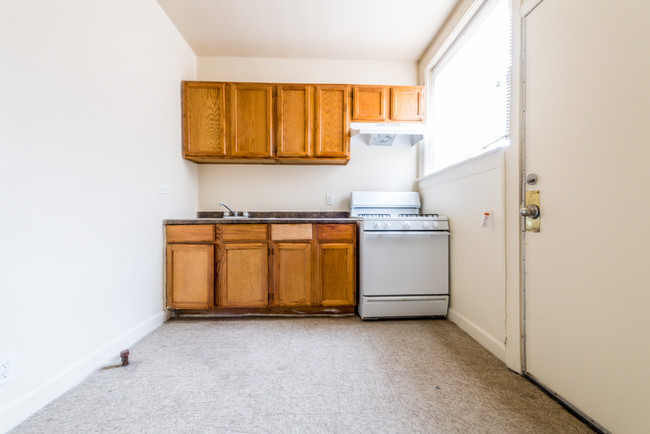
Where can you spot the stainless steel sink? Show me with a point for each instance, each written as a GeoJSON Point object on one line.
{"type": "Point", "coordinates": [237, 215]}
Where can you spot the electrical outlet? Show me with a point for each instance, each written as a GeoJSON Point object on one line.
{"type": "Point", "coordinates": [6, 369]}
{"type": "Point", "coordinates": [329, 199]}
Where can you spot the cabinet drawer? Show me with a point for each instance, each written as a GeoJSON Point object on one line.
{"type": "Point", "coordinates": [243, 232]}
{"type": "Point", "coordinates": [337, 232]}
{"type": "Point", "coordinates": [189, 233]}
{"type": "Point", "coordinates": [291, 232]}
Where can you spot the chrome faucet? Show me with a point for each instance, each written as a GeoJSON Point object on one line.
{"type": "Point", "coordinates": [228, 208]}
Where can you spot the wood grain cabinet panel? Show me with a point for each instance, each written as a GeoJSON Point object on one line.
{"type": "Point", "coordinates": [189, 233]}
{"type": "Point", "coordinates": [292, 274]}
{"type": "Point", "coordinates": [336, 232]}
{"type": "Point", "coordinates": [243, 275]}
{"type": "Point", "coordinates": [204, 119]}
{"type": "Point", "coordinates": [406, 103]}
{"type": "Point", "coordinates": [291, 232]}
{"type": "Point", "coordinates": [370, 103]}
{"type": "Point", "coordinates": [251, 120]}
{"type": "Point", "coordinates": [337, 264]}
{"type": "Point", "coordinates": [295, 118]}
{"type": "Point", "coordinates": [190, 278]}
{"type": "Point", "coordinates": [332, 121]}
{"type": "Point", "coordinates": [239, 232]}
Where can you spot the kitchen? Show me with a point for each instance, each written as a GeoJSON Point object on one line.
{"type": "Point", "coordinates": [91, 165]}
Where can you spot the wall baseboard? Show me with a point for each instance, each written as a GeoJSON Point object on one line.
{"type": "Point", "coordinates": [32, 401]}
{"type": "Point", "coordinates": [480, 335]}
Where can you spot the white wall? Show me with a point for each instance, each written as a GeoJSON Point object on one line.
{"type": "Point", "coordinates": [89, 130]}
{"type": "Point", "coordinates": [285, 188]}
{"type": "Point", "coordinates": [477, 253]}
{"type": "Point", "coordinates": [485, 296]}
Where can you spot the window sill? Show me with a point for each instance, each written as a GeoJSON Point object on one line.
{"type": "Point", "coordinates": [488, 160]}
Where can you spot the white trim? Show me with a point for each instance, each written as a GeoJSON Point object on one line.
{"type": "Point", "coordinates": [528, 6]}
{"type": "Point", "coordinates": [438, 48]}
{"type": "Point", "coordinates": [489, 160]}
{"type": "Point", "coordinates": [32, 401]}
{"type": "Point", "coordinates": [441, 50]}
{"type": "Point", "coordinates": [480, 335]}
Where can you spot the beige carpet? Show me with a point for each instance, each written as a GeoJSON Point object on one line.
{"type": "Point", "coordinates": [301, 375]}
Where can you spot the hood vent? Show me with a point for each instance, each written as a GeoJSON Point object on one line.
{"type": "Point", "coordinates": [384, 134]}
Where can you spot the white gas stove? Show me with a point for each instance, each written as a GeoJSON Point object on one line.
{"type": "Point", "coordinates": [403, 256]}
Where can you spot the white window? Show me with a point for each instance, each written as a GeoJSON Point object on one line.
{"type": "Point", "coordinates": [469, 90]}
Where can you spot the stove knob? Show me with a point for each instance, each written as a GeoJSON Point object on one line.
{"type": "Point", "coordinates": [377, 225]}
{"type": "Point", "coordinates": [425, 224]}
{"type": "Point", "coordinates": [435, 224]}
{"type": "Point", "coordinates": [387, 225]}
{"type": "Point", "coordinates": [406, 225]}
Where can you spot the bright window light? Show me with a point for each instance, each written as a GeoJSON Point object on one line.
{"type": "Point", "coordinates": [470, 90]}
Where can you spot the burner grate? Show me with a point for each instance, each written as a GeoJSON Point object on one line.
{"type": "Point", "coordinates": [375, 215]}
{"type": "Point", "coordinates": [418, 215]}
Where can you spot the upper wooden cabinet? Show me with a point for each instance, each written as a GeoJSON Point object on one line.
{"type": "Point", "coordinates": [406, 103]}
{"type": "Point", "coordinates": [332, 121]}
{"type": "Point", "coordinates": [295, 121]}
{"type": "Point", "coordinates": [266, 123]}
{"type": "Point", "coordinates": [313, 124]}
{"type": "Point", "coordinates": [385, 104]}
{"type": "Point", "coordinates": [370, 103]}
{"type": "Point", "coordinates": [251, 120]}
{"type": "Point", "coordinates": [204, 120]}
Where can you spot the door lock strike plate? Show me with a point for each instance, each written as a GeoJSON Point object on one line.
{"type": "Point", "coordinates": [532, 224]}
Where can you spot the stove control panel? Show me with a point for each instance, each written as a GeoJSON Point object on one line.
{"type": "Point", "coordinates": [406, 224]}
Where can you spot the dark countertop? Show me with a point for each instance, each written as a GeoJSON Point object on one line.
{"type": "Point", "coordinates": [264, 217]}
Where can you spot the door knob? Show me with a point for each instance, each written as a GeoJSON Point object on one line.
{"type": "Point", "coordinates": [530, 211]}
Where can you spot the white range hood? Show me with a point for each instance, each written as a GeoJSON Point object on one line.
{"type": "Point", "coordinates": [383, 134]}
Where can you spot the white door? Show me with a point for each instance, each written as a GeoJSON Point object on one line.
{"type": "Point", "coordinates": [587, 272]}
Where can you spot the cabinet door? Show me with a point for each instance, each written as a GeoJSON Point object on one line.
{"type": "Point", "coordinates": [295, 120]}
{"type": "Point", "coordinates": [292, 274]}
{"type": "Point", "coordinates": [204, 119]}
{"type": "Point", "coordinates": [332, 121]}
{"type": "Point", "coordinates": [337, 274]}
{"type": "Point", "coordinates": [369, 103]}
{"type": "Point", "coordinates": [190, 278]}
{"type": "Point", "coordinates": [243, 275]}
{"type": "Point", "coordinates": [406, 103]}
{"type": "Point", "coordinates": [251, 120]}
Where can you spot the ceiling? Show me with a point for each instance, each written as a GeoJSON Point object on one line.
{"type": "Point", "coordinates": [318, 29]}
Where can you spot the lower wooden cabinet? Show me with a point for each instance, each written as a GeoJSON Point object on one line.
{"type": "Point", "coordinates": [243, 275]}
{"type": "Point", "coordinates": [190, 267]}
{"type": "Point", "coordinates": [292, 274]}
{"type": "Point", "coordinates": [272, 268]}
{"type": "Point", "coordinates": [336, 262]}
{"type": "Point", "coordinates": [190, 271]}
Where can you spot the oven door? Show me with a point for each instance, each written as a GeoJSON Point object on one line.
{"type": "Point", "coordinates": [404, 263]}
